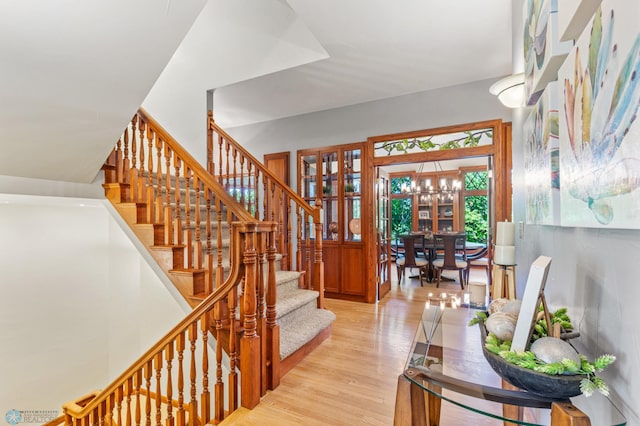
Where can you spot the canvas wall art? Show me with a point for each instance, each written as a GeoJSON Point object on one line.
{"type": "Point", "coordinates": [599, 132]}
{"type": "Point", "coordinates": [573, 16]}
{"type": "Point", "coordinates": [541, 145]}
{"type": "Point", "coordinates": [543, 50]}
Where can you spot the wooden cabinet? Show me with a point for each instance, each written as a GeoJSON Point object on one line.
{"type": "Point", "coordinates": [332, 177]}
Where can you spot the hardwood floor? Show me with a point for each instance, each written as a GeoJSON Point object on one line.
{"type": "Point", "coordinates": [351, 378]}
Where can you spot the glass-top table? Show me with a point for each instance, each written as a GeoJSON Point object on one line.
{"type": "Point", "coordinates": [447, 362]}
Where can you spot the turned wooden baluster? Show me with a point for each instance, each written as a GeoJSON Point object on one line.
{"type": "Point", "coordinates": [211, 167]}
{"type": "Point", "coordinates": [187, 209]}
{"type": "Point", "coordinates": [148, 372]}
{"type": "Point", "coordinates": [177, 222]}
{"type": "Point", "coordinates": [227, 175]}
{"type": "Point", "coordinates": [169, 359]}
{"type": "Point", "coordinates": [125, 157]}
{"type": "Point", "coordinates": [198, 245]}
{"type": "Point", "coordinates": [129, 389]}
{"type": "Point", "coordinates": [118, 404]}
{"type": "Point", "coordinates": [102, 413]}
{"type": "Point", "coordinates": [193, 406]}
{"type": "Point", "coordinates": [158, 367]}
{"type": "Point", "coordinates": [218, 414]}
{"type": "Point", "coordinates": [243, 186]}
{"type": "Point", "coordinates": [273, 332]}
{"type": "Point", "coordinates": [119, 161]}
{"type": "Point", "coordinates": [209, 249]}
{"type": "Point", "coordinates": [159, 208]}
{"type": "Point", "coordinates": [205, 398]}
{"type": "Point", "coordinates": [180, 345]}
{"type": "Point", "coordinates": [287, 262]}
{"type": "Point", "coordinates": [261, 325]}
{"type": "Point", "coordinates": [138, 377]}
{"type": "Point", "coordinates": [150, 195]}
{"type": "Point", "coordinates": [232, 303]}
{"type": "Point", "coordinates": [219, 267]}
{"type": "Point", "coordinates": [133, 171]}
{"type": "Point", "coordinates": [300, 242]}
{"type": "Point", "coordinates": [234, 177]}
{"type": "Point", "coordinates": [220, 142]}
{"type": "Point", "coordinates": [142, 177]}
{"type": "Point", "coordinates": [168, 215]}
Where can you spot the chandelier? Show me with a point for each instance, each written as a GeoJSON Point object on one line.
{"type": "Point", "coordinates": [426, 190]}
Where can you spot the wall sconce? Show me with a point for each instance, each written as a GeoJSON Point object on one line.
{"type": "Point", "coordinates": [510, 90]}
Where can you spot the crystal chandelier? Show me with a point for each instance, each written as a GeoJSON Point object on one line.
{"type": "Point", "coordinates": [444, 188]}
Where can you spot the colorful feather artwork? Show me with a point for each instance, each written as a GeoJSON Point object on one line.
{"type": "Point", "coordinates": [601, 101]}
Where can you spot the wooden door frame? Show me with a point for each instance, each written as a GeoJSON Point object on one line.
{"type": "Point", "coordinates": [500, 150]}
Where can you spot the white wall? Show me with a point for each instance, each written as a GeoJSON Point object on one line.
{"type": "Point", "coordinates": [449, 106]}
{"type": "Point", "coordinates": [79, 302]}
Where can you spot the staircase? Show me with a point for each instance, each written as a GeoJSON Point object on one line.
{"type": "Point", "coordinates": [237, 270]}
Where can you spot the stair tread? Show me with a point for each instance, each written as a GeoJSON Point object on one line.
{"type": "Point", "coordinates": [295, 335]}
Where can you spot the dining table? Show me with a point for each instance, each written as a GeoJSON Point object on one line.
{"type": "Point", "coordinates": [423, 245]}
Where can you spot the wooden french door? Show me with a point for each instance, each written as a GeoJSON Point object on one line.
{"type": "Point", "coordinates": [383, 232]}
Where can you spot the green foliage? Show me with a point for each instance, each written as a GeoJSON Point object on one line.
{"type": "Point", "coordinates": [475, 218]}
{"type": "Point", "coordinates": [480, 315]}
{"type": "Point", "coordinates": [528, 360]}
{"type": "Point", "coordinates": [400, 216]}
{"type": "Point", "coordinates": [470, 139]}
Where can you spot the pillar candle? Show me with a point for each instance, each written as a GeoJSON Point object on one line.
{"type": "Point", "coordinates": [477, 294]}
{"type": "Point", "coordinates": [504, 255]}
{"type": "Point", "coordinates": [505, 235]}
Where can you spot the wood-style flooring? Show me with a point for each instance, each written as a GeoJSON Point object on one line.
{"type": "Point", "coordinates": [351, 378]}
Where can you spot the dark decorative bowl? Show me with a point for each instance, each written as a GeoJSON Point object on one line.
{"type": "Point", "coordinates": [550, 386]}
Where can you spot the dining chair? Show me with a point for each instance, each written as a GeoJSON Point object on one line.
{"type": "Point", "coordinates": [413, 244]}
{"type": "Point", "coordinates": [452, 258]}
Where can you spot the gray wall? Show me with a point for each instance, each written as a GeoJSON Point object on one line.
{"type": "Point", "coordinates": [453, 105]}
{"type": "Point", "coordinates": [592, 269]}
{"type": "Point", "coordinates": [593, 273]}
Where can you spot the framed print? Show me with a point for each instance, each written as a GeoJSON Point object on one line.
{"type": "Point", "coordinates": [541, 168]}
{"type": "Point", "coordinates": [423, 214]}
{"type": "Point", "coordinates": [543, 50]}
{"type": "Point", "coordinates": [599, 133]}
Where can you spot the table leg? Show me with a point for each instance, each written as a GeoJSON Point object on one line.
{"type": "Point", "coordinates": [434, 405]}
{"type": "Point", "coordinates": [511, 411]}
{"type": "Point", "coordinates": [565, 414]}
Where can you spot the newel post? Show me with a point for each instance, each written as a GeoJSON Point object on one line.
{"type": "Point", "coordinates": [250, 343]}
{"type": "Point", "coordinates": [318, 266]}
{"type": "Point", "coordinates": [273, 329]}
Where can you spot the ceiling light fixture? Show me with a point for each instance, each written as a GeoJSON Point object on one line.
{"type": "Point", "coordinates": [444, 189]}
{"type": "Point", "coordinates": [510, 90]}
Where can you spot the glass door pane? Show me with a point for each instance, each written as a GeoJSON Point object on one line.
{"type": "Point", "coordinates": [329, 181]}
{"type": "Point", "coordinates": [352, 205]}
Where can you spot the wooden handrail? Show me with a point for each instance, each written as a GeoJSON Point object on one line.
{"type": "Point", "coordinates": [313, 211]}
{"type": "Point", "coordinates": [203, 175]}
{"type": "Point", "coordinates": [153, 180]}
{"type": "Point", "coordinates": [77, 410]}
{"type": "Point", "coordinates": [264, 194]}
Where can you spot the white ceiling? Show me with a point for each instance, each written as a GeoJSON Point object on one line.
{"type": "Point", "coordinates": [72, 72]}
{"type": "Point", "coordinates": [378, 49]}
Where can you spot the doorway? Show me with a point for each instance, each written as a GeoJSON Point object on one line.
{"type": "Point", "coordinates": [475, 156]}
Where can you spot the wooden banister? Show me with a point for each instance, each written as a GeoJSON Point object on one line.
{"type": "Point", "coordinates": [243, 175]}
{"type": "Point", "coordinates": [155, 182]}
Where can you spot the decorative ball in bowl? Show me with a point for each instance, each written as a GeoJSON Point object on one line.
{"type": "Point", "coordinates": [551, 386]}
